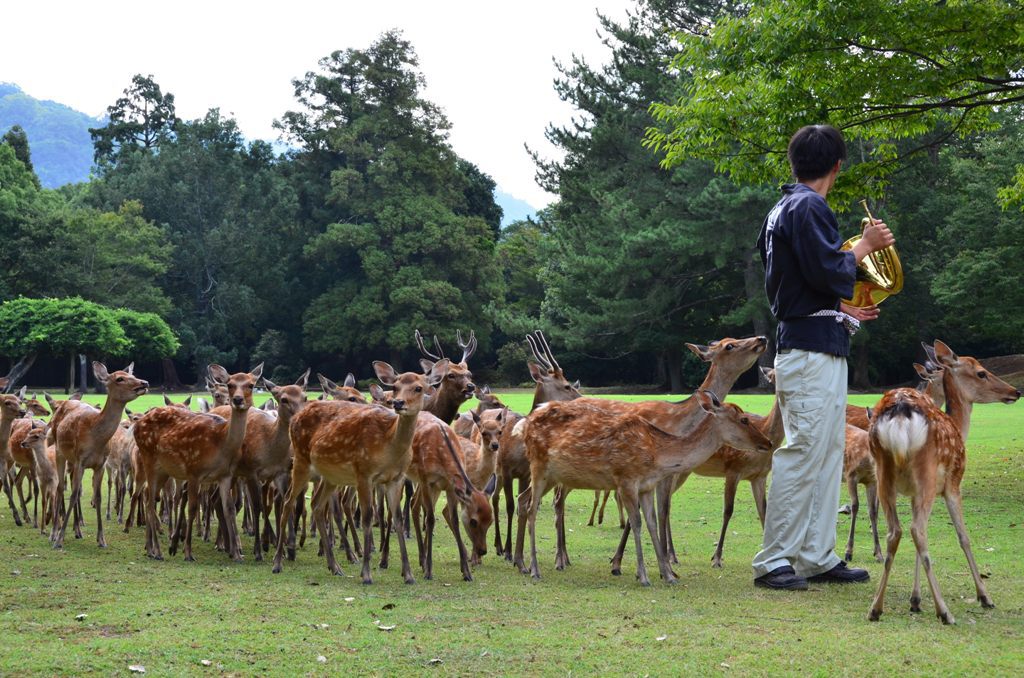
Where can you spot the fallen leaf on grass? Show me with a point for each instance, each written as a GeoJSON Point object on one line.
{"type": "Point", "coordinates": [137, 668]}
{"type": "Point", "coordinates": [206, 662]}
{"type": "Point", "coordinates": [725, 666]}
{"type": "Point", "coordinates": [435, 662]}
{"type": "Point", "coordinates": [389, 606]}
{"type": "Point", "coordinates": [81, 617]}
{"type": "Point", "coordinates": [349, 600]}
{"type": "Point", "coordinates": [322, 659]}
{"type": "Point", "coordinates": [661, 638]}
{"type": "Point", "coordinates": [382, 627]}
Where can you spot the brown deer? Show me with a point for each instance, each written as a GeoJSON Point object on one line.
{"type": "Point", "coordinates": [197, 448]}
{"type": "Point", "coordinates": [266, 450]}
{"type": "Point", "coordinates": [347, 391]}
{"type": "Point", "coordinates": [550, 386]}
{"type": "Point", "coordinates": [21, 457]}
{"type": "Point", "coordinates": [11, 409]}
{"type": "Point", "coordinates": [457, 386]}
{"type": "Point", "coordinates": [463, 425]}
{"type": "Point", "coordinates": [579, 446]}
{"type": "Point", "coordinates": [728, 358]}
{"type": "Point", "coordinates": [352, 444]}
{"type": "Point", "coordinates": [436, 468]}
{"type": "Point", "coordinates": [919, 452]}
{"type": "Point", "coordinates": [45, 469]}
{"type": "Point", "coordinates": [81, 438]}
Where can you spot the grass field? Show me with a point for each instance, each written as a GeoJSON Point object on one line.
{"type": "Point", "coordinates": [171, 616]}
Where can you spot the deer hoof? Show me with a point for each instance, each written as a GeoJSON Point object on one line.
{"type": "Point", "coordinates": [946, 618]}
{"type": "Point", "coordinates": [987, 603]}
{"type": "Point", "coordinates": [616, 571]}
{"type": "Point", "coordinates": [291, 554]}
{"type": "Point", "coordinates": [277, 569]}
{"type": "Point", "coordinates": [874, 615]}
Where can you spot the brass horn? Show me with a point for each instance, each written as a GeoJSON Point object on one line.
{"type": "Point", "coordinates": [879, 275]}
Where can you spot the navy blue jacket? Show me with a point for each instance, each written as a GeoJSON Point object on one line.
{"type": "Point", "coordinates": [805, 271]}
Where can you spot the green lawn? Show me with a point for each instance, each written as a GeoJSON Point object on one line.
{"type": "Point", "coordinates": [170, 616]}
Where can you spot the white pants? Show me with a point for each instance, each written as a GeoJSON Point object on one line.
{"type": "Point", "coordinates": [800, 524]}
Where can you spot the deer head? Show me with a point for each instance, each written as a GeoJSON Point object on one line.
{"type": "Point", "coordinates": [975, 383]}
{"type": "Point", "coordinates": [239, 386]}
{"type": "Point", "coordinates": [122, 385]}
{"type": "Point", "coordinates": [35, 408]}
{"type": "Point", "coordinates": [184, 404]}
{"type": "Point", "coordinates": [218, 391]}
{"type": "Point", "coordinates": [290, 399]}
{"type": "Point", "coordinates": [11, 405]}
{"type": "Point", "coordinates": [931, 384]}
{"type": "Point", "coordinates": [490, 429]}
{"type": "Point", "coordinates": [458, 379]}
{"type": "Point", "coordinates": [382, 397]}
{"type": "Point", "coordinates": [476, 512]}
{"type": "Point", "coordinates": [409, 389]}
{"type": "Point", "coordinates": [346, 391]}
{"type": "Point", "coordinates": [36, 435]}
{"type": "Point", "coordinates": [734, 425]}
{"type": "Point", "coordinates": [547, 373]}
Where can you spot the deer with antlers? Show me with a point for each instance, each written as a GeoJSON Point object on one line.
{"type": "Point", "coordinates": [197, 448]}
{"type": "Point", "coordinates": [579, 446]}
{"type": "Point", "coordinates": [355, 445]}
{"type": "Point", "coordinates": [81, 438]}
{"type": "Point", "coordinates": [512, 465]}
{"type": "Point", "coordinates": [919, 451]}
{"type": "Point", "coordinates": [457, 385]}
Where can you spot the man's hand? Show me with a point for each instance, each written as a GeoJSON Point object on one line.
{"type": "Point", "coordinates": [876, 236]}
{"type": "Point", "coordinates": [861, 314]}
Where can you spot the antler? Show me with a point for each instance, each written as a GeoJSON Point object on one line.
{"type": "Point", "coordinates": [468, 347]}
{"type": "Point", "coordinates": [423, 348]}
{"type": "Point", "coordinates": [538, 356]}
{"type": "Point", "coordinates": [542, 340]}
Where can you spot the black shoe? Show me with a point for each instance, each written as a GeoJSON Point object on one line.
{"type": "Point", "coordinates": [841, 574]}
{"type": "Point", "coordinates": [784, 578]}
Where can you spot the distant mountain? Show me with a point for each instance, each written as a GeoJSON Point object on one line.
{"type": "Point", "coordinates": [58, 136]}
{"type": "Point", "coordinates": [514, 208]}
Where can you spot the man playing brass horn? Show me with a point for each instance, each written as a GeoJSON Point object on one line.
{"type": "Point", "coordinates": [806, 276]}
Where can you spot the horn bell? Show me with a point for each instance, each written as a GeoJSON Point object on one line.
{"type": "Point", "coordinates": [879, 275]}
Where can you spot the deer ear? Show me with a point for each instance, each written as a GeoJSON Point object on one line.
{"type": "Point", "coordinates": [922, 371]}
{"type": "Point", "coordinates": [536, 371]}
{"type": "Point", "coordinates": [945, 354]}
{"type": "Point", "coordinates": [576, 384]}
{"type": "Point", "coordinates": [492, 484]}
{"type": "Point", "coordinates": [326, 384]}
{"type": "Point", "coordinates": [99, 370]}
{"type": "Point", "coordinates": [218, 374]}
{"type": "Point", "coordinates": [439, 371]}
{"type": "Point", "coordinates": [21, 393]}
{"type": "Point", "coordinates": [167, 401]}
{"type": "Point", "coordinates": [270, 386]}
{"type": "Point", "coordinates": [77, 395]}
{"type": "Point", "coordinates": [131, 368]}
{"type": "Point", "coordinates": [256, 372]}
{"type": "Point", "coordinates": [486, 390]}
{"type": "Point", "coordinates": [708, 400]}
{"type": "Point", "coordinates": [376, 392]}
{"type": "Point", "coordinates": [426, 365]}
{"type": "Point", "coordinates": [350, 380]}
{"type": "Point", "coordinates": [304, 379]}
{"type": "Point", "coordinates": [702, 352]}
{"type": "Point", "coordinates": [476, 417]}
{"type": "Point", "coordinates": [386, 373]}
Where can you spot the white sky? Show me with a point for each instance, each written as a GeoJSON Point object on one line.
{"type": "Point", "coordinates": [487, 64]}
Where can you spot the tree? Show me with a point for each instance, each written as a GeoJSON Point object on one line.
{"type": "Point", "coordinates": [148, 336]}
{"type": "Point", "coordinates": [58, 327]}
{"type": "Point", "coordinates": [403, 241]}
{"type": "Point", "coordinates": [18, 140]}
{"type": "Point", "coordinates": [141, 119]}
{"type": "Point", "coordinates": [881, 71]}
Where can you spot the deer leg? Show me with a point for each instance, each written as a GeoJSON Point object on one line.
{"type": "Point", "coordinates": [255, 493]}
{"type": "Point", "coordinates": [495, 503]}
{"type": "Point", "coordinates": [525, 501]}
{"type": "Point", "coordinates": [668, 488]}
{"type": "Point", "coordinates": [97, 496]}
{"type": "Point", "coordinates": [296, 493]}
{"type": "Point", "coordinates": [385, 533]}
{"type": "Point", "coordinates": [10, 495]}
{"type": "Point", "coordinates": [178, 532]}
{"type": "Point", "coordinates": [365, 494]}
{"type": "Point", "coordinates": [732, 481]}
{"type": "Point", "coordinates": [319, 512]}
{"type": "Point", "coordinates": [339, 520]}
{"type": "Point", "coordinates": [561, 550]}
{"type": "Point", "coordinates": [887, 495]}
{"type": "Point", "coordinates": [110, 491]}
{"type": "Point", "coordinates": [629, 498]}
{"type": "Point", "coordinates": [193, 511]}
{"type": "Point", "coordinates": [418, 522]}
{"type": "Point", "coordinates": [231, 532]}
{"type": "Point", "coordinates": [537, 490]}
{"type": "Point", "coordinates": [915, 593]}
{"type": "Point", "coordinates": [35, 505]}
{"type": "Point", "coordinates": [429, 523]}
{"type": "Point", "coordinates": [452, 517]}
{"type": "Point", "coordinates": [59, 508]}
{"type": "Point", "coordinates": [510, 512]}
{"type": "Point", "coordinates": [872, 495]}
{"type": "Point", "coordinates": [647, 507]}
{"type": "Point", "coordinates": [956, 511]}
{"type": "Point", "coordinates": [22, 474]}
{"type": "Point", "coordinates": [152, 519]}
{"type": "Point", "coordinates": [345, 500]}
{"type": "Point", "coordinates": [851, 487]}
{"type": "Point", "coordinates": [393, 494]}
{"type": "Point", "coordinates": [922, 508]}
{"type": "Point", "coordinates": [757, 488]}
{"type": "Point", "coordinates": [593, 511]}
{"type": "Point", "coordinates": [604, 503]}
{"type": "Point", "coordinates": [76, 494]}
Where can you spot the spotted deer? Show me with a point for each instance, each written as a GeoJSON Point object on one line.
{"type": "Point", "coordinates": [550, 386]}
{"type": "Point", "coordinates": [728, 358]}
{"type": "Point", "coordinates": [576, 445]}
{"type": "Point", "coordinates": [197, 448]}
{"type": "Point", "coordinates": [355, 445]}
{"type": "Point", "coordinates": [347, 391]}
{"type": "Point", "coordinates": [457, 386]}
{"type": "Point", "coordinates": [919, 452]}
{"type": "Point", "coordinates": [81, 439]}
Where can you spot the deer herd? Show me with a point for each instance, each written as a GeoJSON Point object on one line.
{"type": "Point", "coordinates": [176, 469]}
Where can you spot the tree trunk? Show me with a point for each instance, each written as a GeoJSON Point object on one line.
{"type": "Point", "coordinates": [753, 282]}
{"type": "Point", "coordinates": [172, 382]}
{"type": "Point", "coordinates": [83, 375]}
{"type": "Point", "coordinates": [675, 370]}
{"type": "Point", "coordinates": [69, 385]}
{"type": "Point", "coordinates": [19, 370]}
{"type": "Point", "coordinates": [861, 377]}
{"type": "Point", "coordinates": [660, 373]}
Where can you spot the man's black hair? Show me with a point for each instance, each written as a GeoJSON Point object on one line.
{"type": "Point", "coordinates": [814, 151]}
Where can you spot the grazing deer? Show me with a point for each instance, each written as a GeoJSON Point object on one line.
{"type": "Point", "coordinates": [197, 448]}
{"type": "Point", "coordinates": [352, 444]}
{"type": "Point", "coordinates": [919, 452]}
{"type": "Point", "coordinates": [550, 386]}
{"type": "Point", "coordinates": [11, 408]}
{"type": "Point", "coordinates": [436, 468]}
{"type": "Point", "coordinates": [347, 391]}
{"type": "Point", "coordinates": [45, 466]}
{"type": "Point", "coordinates": [457, 386]}
{"type": "Point", "coordinates": [728, 358]}
{"type": "Point", "coordinates": [579, 446]}
{"type": "Point", "coordinates": [463, 425]}
{"type": "Point", "coordinates": [81, 439]}
{"type": "Point", "coordinates": [266, 450]}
